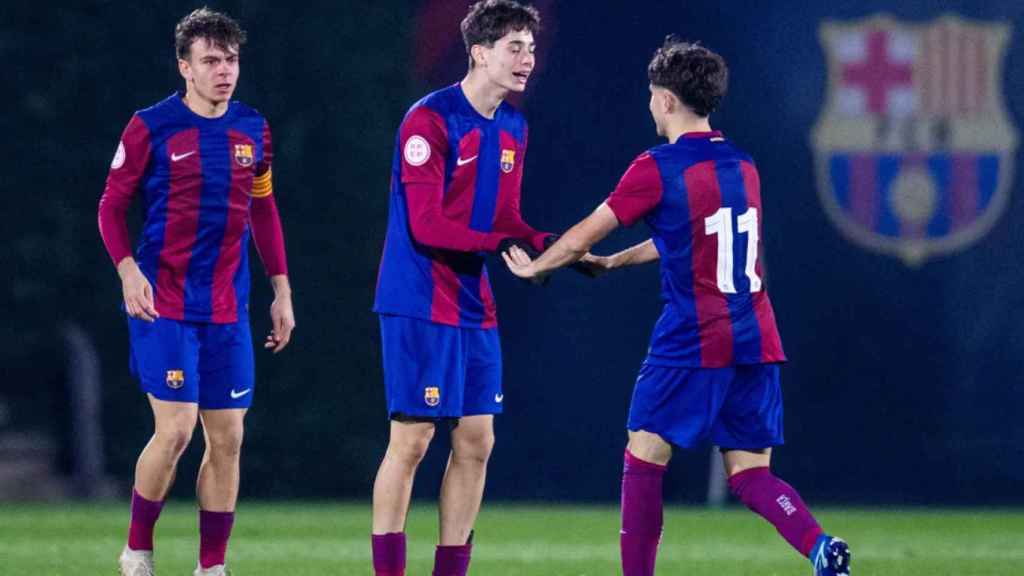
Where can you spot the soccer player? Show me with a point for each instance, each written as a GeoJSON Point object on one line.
{"type": "Point", "coordinates": [713, 364]}
{"type": "Point", "coordinates": [455, 190]}
{"type": "Point", "coordinates": [202, 165]}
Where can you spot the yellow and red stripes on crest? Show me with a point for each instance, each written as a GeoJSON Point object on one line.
{"type": "Point", "coordinates": [262, 185]}
{"type": "Point", "coordinates": [952, 73]}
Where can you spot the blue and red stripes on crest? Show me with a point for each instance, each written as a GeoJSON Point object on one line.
{"type": "Point", "coordinates": [914, 195]}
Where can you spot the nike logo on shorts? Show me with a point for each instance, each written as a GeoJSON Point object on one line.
{"type": "Point", "coordinates": [498, 398]}
{"type": "Point", "coordinates": [237, 395]}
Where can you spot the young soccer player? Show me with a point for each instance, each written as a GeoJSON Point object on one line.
{"type": "Point", "coordinates": [455, 189]}
{"type": "Point", "coordinates": [712, 367]}
{"type": "Point", "coordinates": [201, 163]}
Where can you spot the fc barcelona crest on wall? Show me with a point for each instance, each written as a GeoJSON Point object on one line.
{"type": "Point", "coordinates": [914, 150]}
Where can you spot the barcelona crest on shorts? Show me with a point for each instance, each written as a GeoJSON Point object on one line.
{"type": "Point", "coordinates": [243, 155]}
{"type": "Point", "coordinates": [508, 160]}
{"type": "Point", "coordinates": [432, 394]}
{"type": "Point", "coordinates": [914, 149]}
{"type": "Point", "coordinates": [175, 379]}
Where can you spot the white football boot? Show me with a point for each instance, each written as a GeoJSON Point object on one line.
{"type": "Point", "coordinates": [217, 570]}
{"type": "Point", "coordinates": [136, 562]}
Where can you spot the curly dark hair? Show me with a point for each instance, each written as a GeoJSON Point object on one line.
{"type": "Point", "coordinates": [216, 27]}
{"type": "Point", "coordinates": [696, 75]}
{"type": "Point", "coordinates": [489, 20]}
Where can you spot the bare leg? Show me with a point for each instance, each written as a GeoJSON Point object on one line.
{"type": "Point", "coordinates": [173, 426]}
{"type": "Point", "coordinates": [393, 487]}
{"type": "Point", "coordinates": [463, 487]}
{"type": "Point", "coordinates": [217, 484]}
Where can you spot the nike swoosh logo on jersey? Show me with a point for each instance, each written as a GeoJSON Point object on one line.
{"type": "Point", "coordinates": [462, 162]}
{"type": "Point", "coordinates": [176, 157]}
{"type": "Point", "coordinates": [237, 395]}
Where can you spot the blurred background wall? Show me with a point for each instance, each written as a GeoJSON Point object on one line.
{"type": "Point", "coordinates": [904, 380]}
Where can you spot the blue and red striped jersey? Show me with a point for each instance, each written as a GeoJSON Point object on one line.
{"type": "Point", "coordinates": [455, 190]}
{"type": "Point", "coordinates": [197, 177]}
{"type": "Point", "coordinates": [701, 198]}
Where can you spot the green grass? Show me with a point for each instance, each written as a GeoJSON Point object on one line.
{"type": "Point", "coordinates": [539, 540]}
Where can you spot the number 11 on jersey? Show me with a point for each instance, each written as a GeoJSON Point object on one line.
{"type": "Point", "coordinates": [720, 224]}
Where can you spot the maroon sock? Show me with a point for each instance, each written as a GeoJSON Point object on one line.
{"type": "Point", "coordinates": [144, 517]}
{"type": "Point", "coordinates": [389, 554]}
{"type": "Point", "coordinates": [452, 560]}
{"type": "Point", "coordinates": [214, 531]}
{"type": "Point", "coordinates": [778, 503]}
{"type": "Point", "coordinates": [641, 515]}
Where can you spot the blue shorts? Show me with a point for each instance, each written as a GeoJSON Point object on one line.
{"type": "Point", "coordinates": [738, 407]}
{"type": "Point", "coordinates": [207, 364]}
{"type": "Point", "coordinates": [437, 371]}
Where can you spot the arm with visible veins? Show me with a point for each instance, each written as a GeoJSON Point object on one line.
{"type": "Point", "coordinates": [638, 192]}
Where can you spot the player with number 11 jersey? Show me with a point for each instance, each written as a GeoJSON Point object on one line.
{"type": "Point", "coordinates": [712, 369]}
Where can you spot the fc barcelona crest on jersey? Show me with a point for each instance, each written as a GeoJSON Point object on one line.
{"type": "Point", "coordinates": [432, 396]}
{"type": "Point", "coordinates": [914, 150]}
{"type": "Point", "coordinates": [243, 155]}
{"type": "Point", "coordinates": [175, 379]}
{"type": "Point", "coordinates": [508, 160]}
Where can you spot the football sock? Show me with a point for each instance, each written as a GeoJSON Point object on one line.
{"type": "Point", "coordinates": [389, 554]}
{"type": "Point", "coordinates": [452, 560]}
{"type": "Point", "coordinates": [214, 531]}
{"type": "Point", "coordinates": [143, 519]}
{"type": "Point", "coordinates": [778, 503]}
{"type": "Point", "coordinates": [641, 515]}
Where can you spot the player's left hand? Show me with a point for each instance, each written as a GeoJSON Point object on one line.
{"type": "Point", "coordinates": [283, 319]}
{"type": "Point", "coordinates": [520, 264]}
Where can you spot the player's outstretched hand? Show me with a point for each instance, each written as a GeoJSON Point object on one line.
{"type": "Point", "coordinates": [507, 243]}
{"type": "Point", "coordinates": [283, 319]}
{"type": "Point", "coordinates": [138, 292]}
{"type": "Point", "coordinates": [520, 264]}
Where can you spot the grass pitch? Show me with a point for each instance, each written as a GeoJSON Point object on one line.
{"type": "Point", "coordinates": [299, 539]}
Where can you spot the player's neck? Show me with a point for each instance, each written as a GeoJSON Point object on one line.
{"type": "Point", "coordinates": [483, 96]}
{"type": "Point", "coordinates": [682, 125]}
{"type": "Point", "coordinates": [203, 107]}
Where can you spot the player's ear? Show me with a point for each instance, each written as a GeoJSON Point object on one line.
{"type": "Point", "coordinates": [184, 69]}
{"type": "Point", "coordinates": [670, 103]}
{"type": "Point", "coordinates": [478, 54]}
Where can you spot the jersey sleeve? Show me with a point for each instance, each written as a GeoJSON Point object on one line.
{"type": "Point", "coordinates": [126, 172]}
{"type": "Point", "coordinates": [509, 219]}
{"type": "Point", "coordinates": [423, 139]}
{"type": "Point", "coordinates": [638, 192]}
{"type": "Point", "coordinates": [264, 219]}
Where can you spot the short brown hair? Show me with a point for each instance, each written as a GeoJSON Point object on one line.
{"type": "Point", "coordinates": [489, 20]}
{"type": "Point", "coordinates": [696, 75]}
{"type": "Point", "coordinates": [217, 28]}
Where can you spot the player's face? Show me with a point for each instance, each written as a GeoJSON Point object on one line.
{"type": "Point", "coordinates": [510, 61]}
{"type": "Point", "coordinates": [210, 71]}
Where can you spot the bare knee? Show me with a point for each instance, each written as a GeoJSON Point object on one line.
{"type": "Point", "coordinates": [737, 461]}
{"type": "Point", "coordinates": [225, 443]}
{"type": "Point", "coordinates": [173, 435]}
{"type": "Point", "coordinates": [409, 442]}
{"type": "Point", "coordinates": [474, 447]}
{"type": "Point", "coordinates": [649, 447]}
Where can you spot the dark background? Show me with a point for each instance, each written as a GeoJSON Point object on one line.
{"type": "Point", "coordinates": [903, 384]}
